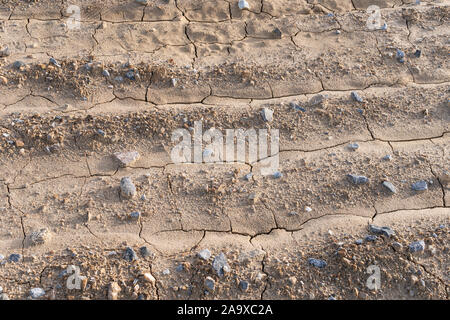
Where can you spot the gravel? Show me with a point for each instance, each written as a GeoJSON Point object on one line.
{"type": "Point", "coordinates": [420, 186]}
{"type": "Point", "coordinates": [36, 293]}
{"type": "Point", "coordinates": [417, 246]}
{"type": "Point", "coordinates": [386, 231]}
{"type": "Point", "coordinates": [127, 188]}
{"type": "Point", "coordinates": [317, 263]}
{"type": "Point", "coordinates": [130, 255]}
{"type": "Point", "coordinates": [205, 254]}
{"type": "Point", "coordinates": [220, 264]}
{"type": "Point", "coordinates": [355, 179]}
{"type": "Point", "coordinates": [389, 186]}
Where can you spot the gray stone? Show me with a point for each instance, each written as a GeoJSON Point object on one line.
{"type": "Point", "coordinates": [371, 238]}
{"type": "Point", "coordinates": [210, 284]}
{"type": "Point", "coordinates": [317, 99]}
{"type": "Point", "coordinates": [267, 114]}
{"type": "Point", "coordinates": [389, 186]}
{"type": "Point", "coordinates": [36, 293]}
{"type": "Point", "coordinates": [417, 246]}
{"type": "Point", "coordinates": [397, 246]}
{"type": "Point", "coordinates": [355, 179]}
{"type": "Point", "coordinates": [130, 255]}
{"type": "Point", "coordinates": [386, 231]}
{"type": "Point", "coordinates": [353, 146]}
{"type": "Point", "coordinates": [220, 264]}
{"type": "Point", "coordinates": [39, 237]}
{"type": "Point", "coordinates": [18, 65]}
{"type": "Point", "coordinates": [126, 159]}
{"type": "Point", "coordinates": [317, 263]}
{"type": "Point", "coordinates": [15, 257]}
{"type": "Point", "coordinates": [420, 186]}
{"type": "Point", "coordinates": [387, 157]}
{"type": "Point", "coordinates": [135, 215]}
{"type": "Point", "coordinates": [145, 252]}
{"type": "Point", "coordinates": [243, 4]}
{"type": "Point", "coordinates": [356, 96]}
{"type": "Point", "coordinates": [127, 188]}
{"type": "Point", "coordinates": [243, 285]}
{"type": "Point", "coordinates": [205, 254]}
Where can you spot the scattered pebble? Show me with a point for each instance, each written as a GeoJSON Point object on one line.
{"type": "Point", "coordinates": [36, 293]}
{"type": "Point", "coordinates": [353, 146]}
{"type": "Point", "coordinates": [242, 4]}
{"type": "Point", "coordinates": [355, 179]}
{"type": "Point", "coordinates": [243, 285]}
{"type": "Point", "coordinates": [130, 255]}
{"type": "Point", "coordinates": [127, 188]}
{"type": "Point", "coordinates": [388, 232]}
{"type": "Point", "coordinates": [205, 254]}
{"type": "Point", "coordinates": [15, 257]}
{"type": "Point", "coordinates": [267, 114]}
{"type": "Point", "coordinates": [210, 284]}
{"type": "Point", "coordinates": [39, 237]}
{"type": "Point", "coordinates": [356, 96]}
{"type": "Point", "coordinates": [220, 264]}
{"type": "Point", "coordinates": [417, 246]}
{"type": "Point", "coordinates": [389, 186]}
{"type": "Point", "coordinates": [420, 186]}
{"type": "Point", "coordinates": [371, 238]}
{"type": "Point", "coordinates": [387, 157]}
{"type": "Point", "coordinates": [277, 175]}
{"type": "Point", "coordinates": [317, 263]}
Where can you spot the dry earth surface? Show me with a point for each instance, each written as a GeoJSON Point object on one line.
{"type": "Point", "coordinates": [135, 71]}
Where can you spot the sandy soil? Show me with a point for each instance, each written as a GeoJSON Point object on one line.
{"type": "Point", "coordinates": [133, 73]}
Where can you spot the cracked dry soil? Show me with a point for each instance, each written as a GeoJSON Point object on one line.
{"type": "Point", "coordinates": [132, 74]}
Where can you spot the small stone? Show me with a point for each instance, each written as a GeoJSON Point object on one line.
{"type": "Point", "coordinates": [220, 265]}
{"type": "Point", "coordinates": [420, 186]}
{"type": "Point", "coordinates": [174, 82]}
{"type": "Point", "coordinates": [242, 4]}
{"type": "Point", "coordinates": [54, 62]}
{"type": "Point", "coordinates": [130, 255]}
{"type": "Point", "coordinates": [384, 27]}
{"type": "Point", "coordinates": [317, 263]}
{"type": "Point", "coordinates": [15, 257]}
{"type": "Point", "coordinates": [355, 179]}
{"type": "Point", "coordinates": [113, 291]}
{"type": "Point", "coordinates": [243, 285]}
{"type": "Point", "coordinates": [106, 73]}
{"type": "Point", "coordinates": [418, 53]}
{"type": "Point", "coordinates": [267, 114]}
{"type": "Point", "coordinates": [371, 238]}
{"type": "Point", "coordinates": [353, 146]}
{"type": "Point", "coordinates": [127, 188]}
{"type": "Point", "coordinates": [356, 96]}
{"type": "Point", "coordinates": [150, 278]}
{"type": "Point", "coordinates": [210, 284]}
{"type": "Point", "coordinates": [417, 246]}
{"type": "Point", "coordinates": [36, 293]}
{"type": "Point", "coordinates": [126, 159]}
{"type": "Point", "coordinates": [135, 215]}
{"type": "Point", "coordinates": [18, 65]}
{"type": "Point", "coordinates": [387, 157]}
{"type": "Point", "coordinates": [296, 107]}
{"type": "Point", "coordinates": [308, 209]}
{"type": "Point", "coordinates": [277, 33]}
{"type": "Point", "coordinates": [166, 272]}
{"type": "Point", "coordinates": [388, 232]}
{"type": "Point", "coordinates": [248, 176]}
{"type": "Point", "coordinates": [205, 254]}
{"type": "Point", "coordinates": [389, 186]}
{"type": "Point", "coordinates": [277, 175]}
{"type": "Point", "coordinates": [317, 99]}
{"type": "Point", "coordinates": [39, 237]}
{"type": "Point", "coordinates": [130, 75]}
{"type": "Point", "coordinates": [359, 241]}
{"type": "Point", "coordinates": [397, 246]}
{"type": "Point", "coordinates": [3, 80]}
{"type": "Point", "coordinates": [145, 252]}
{"type": "Point", "coordinates": [5, 52]}
{"type": "Point", "coordinates": [4, 296]}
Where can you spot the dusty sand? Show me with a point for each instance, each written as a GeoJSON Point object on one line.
{"type": "Point", "coordinates": [62, 121]}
